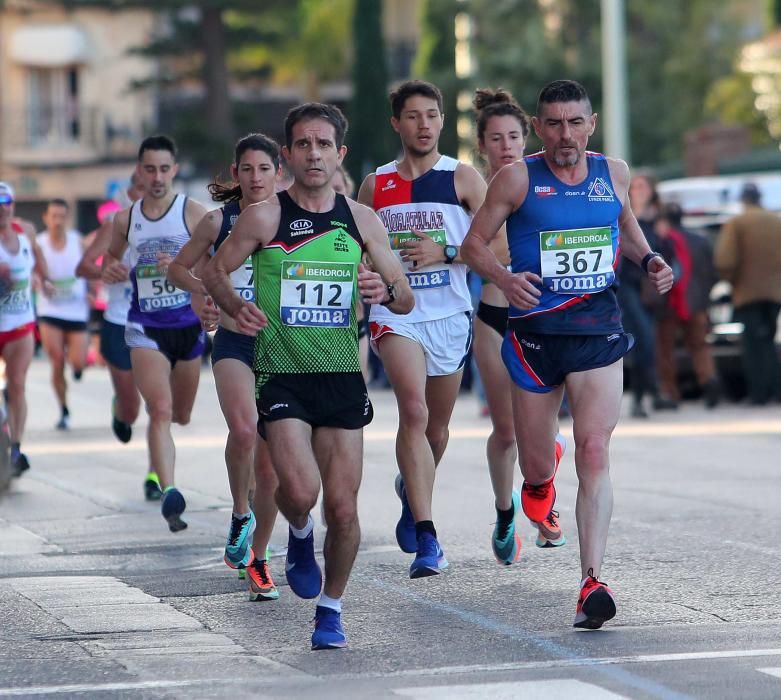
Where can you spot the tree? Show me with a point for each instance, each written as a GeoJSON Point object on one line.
{"type": "Point", "coordinates": [436, 61]}
{"type": "Point", "coordinates": [369, 138]}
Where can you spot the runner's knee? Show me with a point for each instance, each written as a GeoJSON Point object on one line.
{"type": "Point", "coordinates": [437, 437]}
{"type": "Point", "coordinates": [160, 410]}
{"type": "Point", "coordinates": [300, 497]}
{"type": "Point", "coordinates": [341, 511]}
{"type": "Point", "coordinates": [242, 435]}
{"type": "Point", "coordinates": [591, 454]}
{"type": "Point", "coordinates": [413, 413]}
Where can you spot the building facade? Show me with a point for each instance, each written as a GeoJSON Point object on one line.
{"type": "Point", "coordinates": [69, 122]}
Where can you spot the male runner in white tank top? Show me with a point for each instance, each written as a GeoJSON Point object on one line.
{"type": "Point", "coordinates": [426, 201]}
{"type": "Point", "coordinates": [63, 316]}
{"type": "Point", "coordinates": [163, 333]}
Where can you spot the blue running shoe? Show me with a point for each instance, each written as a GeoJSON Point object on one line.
{"type": "Point", "coordinates": [430, 559]}
{"type": "Point", "coordinates": [405, 528]}
{"type": "Point", "coordinates": [302, 570]}
{"type": "Point", "coordinates": [172, 507]}
{"type": "Point", "coordinates": [329, 633]}
{"type": "Point", "coordinates": [507, 544]}
{"type": "Point", "coordinates": [238, 553]}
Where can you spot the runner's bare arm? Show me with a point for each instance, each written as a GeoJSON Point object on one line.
{"type": "Point", "coordinates": [180, 270]}
{"type": "Point", "coordinates": [505, 194]}
{"type": "Point", "coordinates": [254, 228]}
{"type": "Point", "coordinates": [373, 286]}
{"type": "Point", "coordinates": [40, 268]}
{"type": "Point", "coordinates": [88, 267]}
{"type": "Point", "coordinates": [113, 270]}
{"type": "Point", "coordinates": [633, 241]}
{"type": "Point", "coordinates": [193, 213]}
{"type": "Point", "coordinates": [366, 193]}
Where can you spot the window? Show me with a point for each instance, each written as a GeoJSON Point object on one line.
{"type": "Point", "coordinates": [53, 114]}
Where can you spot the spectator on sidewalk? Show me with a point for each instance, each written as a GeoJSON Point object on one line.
{"type": "Point", "coordinates": [686, 308]}
{"type": "Point", "coordinates": [748, 255]}
{"type": "Point", "coordinates": [636, 313]}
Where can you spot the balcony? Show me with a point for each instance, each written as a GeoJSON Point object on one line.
{"type": "Point", "coordinates": [64, 135]}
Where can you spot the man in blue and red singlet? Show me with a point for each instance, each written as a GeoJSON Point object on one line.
{"type": "Point", "coordinates": [564, 208]}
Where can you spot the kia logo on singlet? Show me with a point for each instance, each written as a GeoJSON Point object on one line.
{"type": "Point", "coordinates": [300, 226]}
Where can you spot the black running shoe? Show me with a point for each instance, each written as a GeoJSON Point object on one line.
{"type": "Point", "coordinates": [123, 431]}
{"type": "Point", "coordinates": [152, 490]}
{"type": "Point", "coordinates": [20, 465]}
{"type": "Point", "coordinates": [172, 507]}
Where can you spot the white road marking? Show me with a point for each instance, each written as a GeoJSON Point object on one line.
{"type": "Point", "coordinates": [564, 688]}
{"type": "Point", "coordinates": [771, 671]}
{"type": "Point", "coordinates": [100, 687]}
{"type": "Point", "coordinates": [577, 662]}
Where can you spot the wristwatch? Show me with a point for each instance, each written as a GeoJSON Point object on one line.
{"type": "Point", "coordinates": [647, 259]}
{"type": "Point", "coordinates": [450, 254]}
{"type": "Point", "coordinates": [391, 295]}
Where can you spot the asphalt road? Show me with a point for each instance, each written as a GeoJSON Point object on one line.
{"type": "Point", "coordinates": [98, 599]}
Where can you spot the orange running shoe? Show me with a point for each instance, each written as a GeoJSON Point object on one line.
{"type": "Point", "coordinates": [538, 500]}
{"type": "Point", "coordinates": [550, 534]}
{"type": "Point", "coordinates": [261, 585]}
{"type": "Point", "coordinates": [596, 604]}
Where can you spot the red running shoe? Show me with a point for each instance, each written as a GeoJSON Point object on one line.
{"type": "Point", "coordinates": [596, 604]}
{"type": "Point", "coordinates": [537, 500]}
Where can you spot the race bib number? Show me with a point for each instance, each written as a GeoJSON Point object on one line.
{"type": "Point", "coordinates": [243, 281]}
{"type": "Point", "coordinates": [316, 294]}
{"type": "Point", "coordinates": [64, 290]}
{"type": "Point", "coordinates": [578, 261]}
{"type": "Point", "coordinates": [16, 300]}
{"type": "Point", "coordinates": [426, 278]}
{"type": "Point", "coordinates": [155, 292]}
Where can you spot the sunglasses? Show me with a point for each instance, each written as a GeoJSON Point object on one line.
{"type": "Point", "coordinates": [5, 199]}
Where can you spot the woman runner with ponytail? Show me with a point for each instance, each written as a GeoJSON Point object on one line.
{"type": "Point", "coordinates": [502, 128]}
{"type": "Point", "coordinates": [254, 172]}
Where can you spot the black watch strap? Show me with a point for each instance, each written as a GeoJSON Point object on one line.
{"type": "Point", "coordinates": [391, 295]}
{"type": "Point", "coordinates": [647, 259]}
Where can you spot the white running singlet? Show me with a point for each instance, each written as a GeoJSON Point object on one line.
{"type": "Point", "coordinates": [69, 302]}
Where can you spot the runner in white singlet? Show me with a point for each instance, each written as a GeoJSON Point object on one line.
{"type": "Point", "coordinates": [63, 316]}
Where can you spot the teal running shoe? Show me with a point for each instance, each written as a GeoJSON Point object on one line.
{"type": "Point", "coordinates": [238, 552]}
{"type": "Point", "coordinates": [506, 542]}
{"type": "Point", "coordinates": [329, 633]}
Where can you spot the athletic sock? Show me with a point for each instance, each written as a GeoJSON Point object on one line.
{"type": "Point", "coordinates": [152, 476]}
{"type": "Point", "coordinates": [425, 526]}
{"type": "Point", "coordinates": [168, 488]}
{"type": "Point", "coordinates": [241, 516]}
{"type": "Point", "coordinates": [333, 603]}
{"type": "Point", "coordinates": [504, 519]}
{"type": "Point", "coordinates": [305, 531]}
{"type": "Point", "coordinates": [65, 412]}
